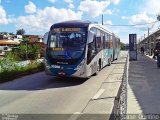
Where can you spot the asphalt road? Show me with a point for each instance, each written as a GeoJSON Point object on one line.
{"type": "Point", "coordinates": [42, 94]}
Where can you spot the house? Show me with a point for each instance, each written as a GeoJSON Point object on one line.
{"type": "Point", "coordinates": [34, 38]}
{"type": "Point", "coordinates": [6, 45]}
{"type": "Point", "coordinates": [17, 38]}
{"type": "Point", "coordinates": [4, 35]}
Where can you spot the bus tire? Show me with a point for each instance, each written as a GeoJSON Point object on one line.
{"type": "Point", "coordinates": [112, 58]}
{"type": "Point", "coordinates": [96, 73]}
{"type": "Point", "coordinates": [109, 61]}
{"type": "Point", "coordinates": [100, 64]}
{"type": "Point", "coordinates": [97, 70]}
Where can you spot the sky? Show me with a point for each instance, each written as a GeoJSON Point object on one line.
{"type": "Point", "coordinates": [122, 17]}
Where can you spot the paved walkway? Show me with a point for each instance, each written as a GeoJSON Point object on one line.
{"type": "Point", "coordinates": [144, 86]}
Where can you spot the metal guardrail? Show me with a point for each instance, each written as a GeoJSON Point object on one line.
{"type": "Point", "coordinates": [120, 105]}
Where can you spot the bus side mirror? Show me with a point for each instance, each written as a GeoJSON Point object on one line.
{"type": "Point", "coordinates": [90, 36]}
{"type": "Point", "coordinates": [45, 38]}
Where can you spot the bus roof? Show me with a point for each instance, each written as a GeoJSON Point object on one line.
{"type": "Point", "coordinates": [73, 23]}
{"type": "Point", "coordinates": [79, 23]}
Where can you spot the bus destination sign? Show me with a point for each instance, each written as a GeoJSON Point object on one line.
{"type": "Point", "coordinates": [66, 29]}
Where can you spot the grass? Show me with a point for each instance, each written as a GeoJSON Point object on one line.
{"type": "Point", "coordinates": [9, 70]}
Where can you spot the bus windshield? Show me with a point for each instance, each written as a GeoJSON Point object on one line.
{"type": "Point", "coordinates": [67, 43]}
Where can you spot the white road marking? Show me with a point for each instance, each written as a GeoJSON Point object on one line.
{"type": "Point", "coordinates": [75, 116]}
{"type": "Point", "coordinates": [99, 93]}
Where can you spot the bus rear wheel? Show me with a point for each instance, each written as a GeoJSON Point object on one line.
{"type": "Point", "coordinates": [96, 73]}
{"type": "Point", "coordinates": [98, 67]}
{"type": "Point", "coordinates": [109, 61]}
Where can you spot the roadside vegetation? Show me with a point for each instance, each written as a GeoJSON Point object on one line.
{"type": "Point", "coordinates": [123, 46]}
{"type": "Point", "coordinates": [22, 60]}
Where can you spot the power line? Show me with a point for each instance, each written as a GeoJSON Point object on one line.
{"type": "Point", "coordinates": [133, 24]}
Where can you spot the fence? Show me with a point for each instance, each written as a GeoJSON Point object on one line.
{"type": "Point", "coordinates": [120, 105]}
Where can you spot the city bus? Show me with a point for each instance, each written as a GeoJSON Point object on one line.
{"type": "Point", "coordinates": [79, 49]}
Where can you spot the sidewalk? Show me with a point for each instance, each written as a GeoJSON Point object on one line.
{"type": "Point", "coordinates": [144, 86]}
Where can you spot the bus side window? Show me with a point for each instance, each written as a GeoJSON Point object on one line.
{"type": "Point", "coordinates": [106, 41]}
{"type": "Point", "coordinates": [98, 41]}
{"type": "Point", "coordinates": [109, 45]}
{"type": "Point", "coordinates": [91, 50]}
{"type": "Point", "coordinates": [111, 41]}
{"type": "Point", "coordinates": [116, 43]}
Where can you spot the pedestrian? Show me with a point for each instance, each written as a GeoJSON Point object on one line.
{"type": "Point", "coordinates": [157, 48]}
{"type": "Point", "coordinates": [142, 50]}
{"type": "Point", "coordinates": [154, 53]}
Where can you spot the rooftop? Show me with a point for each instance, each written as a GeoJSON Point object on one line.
{"type": "Point", "coordinates": [8, 42]}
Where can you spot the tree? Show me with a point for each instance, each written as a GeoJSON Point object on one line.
{"type": "Point", "coordinates": [122, 46]}
{"type": "Point", "coordinates": [11, 33]}
{"type": "Point", "coordinates": [24, 47]}
{"type": "Point", "coordinates": [20, 32]}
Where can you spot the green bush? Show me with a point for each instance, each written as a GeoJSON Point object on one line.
{"type": "Point", "coordinates": [10, 70]}
{"type": "Point", "coordinates": [33, 52]}
{"type": "Point", "coordinates": [22, 50]}
{"type": "Point", "coordinates": [10, 67]}
{"type": "Point", "coordinates": [13, 56]}
{"type": "Point", "coordinates": [25, 51]}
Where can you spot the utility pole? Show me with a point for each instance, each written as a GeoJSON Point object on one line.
{"type": "Point", "coordinates": [102, 19]}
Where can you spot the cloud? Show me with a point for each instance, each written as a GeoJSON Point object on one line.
{"type": "Point", "coordinates": [140, 18]}
{"type": "Point", "coordinates": [124, 17]}
{"type": "Point", "coordinates": [71, 6]}
{"type": "Point", "coordinates": [3, 17]}
{"type": "Point", "coordinates": [115, 1]}
{"type": "Point", "coordinates": [30, 8]}
{"type": "Point", "coordinates": [108, 22]}
{"type": "Point", "coordinates": [70, 2]}
{"type": "Point", "coordinates": [44, 18]}
{"type": "Point", "coordinates": [93, 8]}
{"type": "Point", "coordinates": [109, 12]}
{"type": "Point", "coordinates": [151, 7]}
{"type": "Point", "coordinates": [52, 1]}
